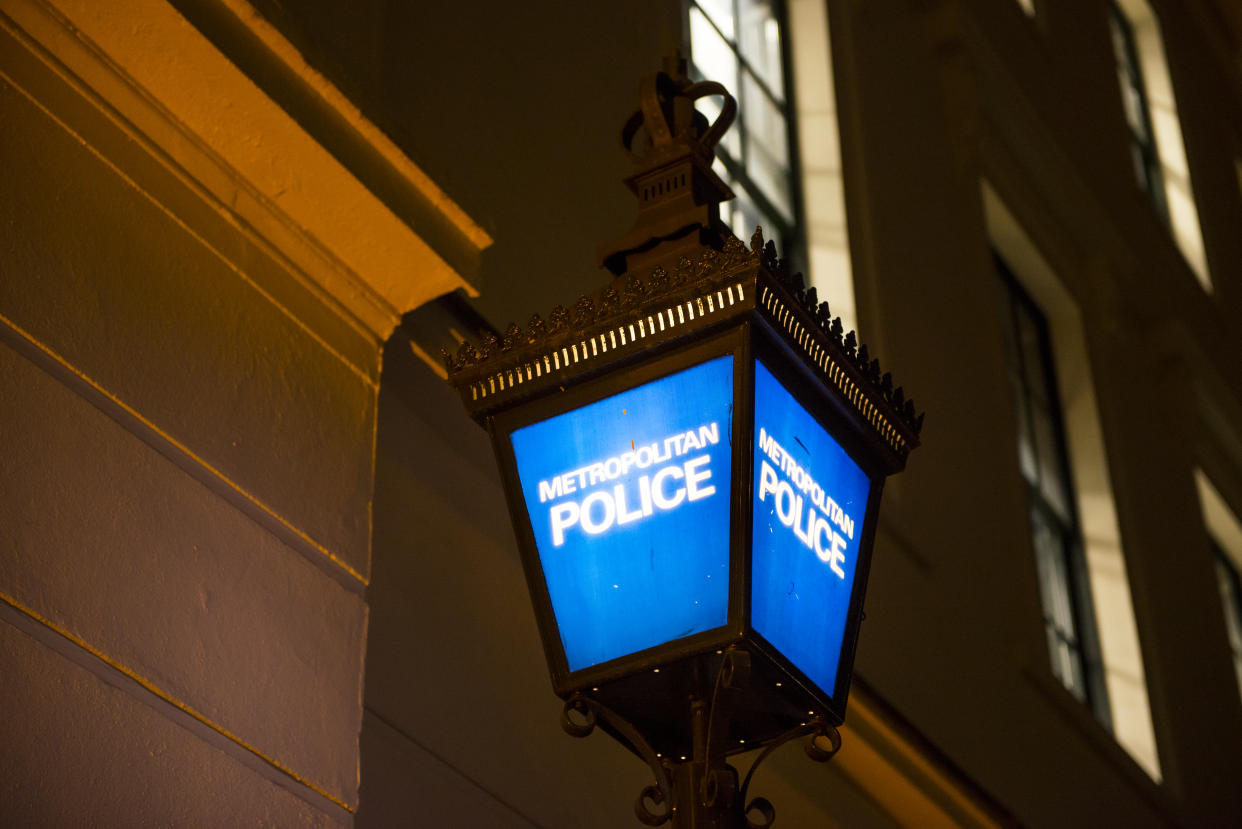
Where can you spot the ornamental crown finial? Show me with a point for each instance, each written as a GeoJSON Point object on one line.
{"type": "Point", "coordinates": [666, 121]}
{"type": "Point", "coordinates": [679, 194]}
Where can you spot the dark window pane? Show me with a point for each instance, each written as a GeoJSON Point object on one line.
{"type": "Point", "coordinates": [1231, 602]}
{"type": "Point", "coordinates": [1069, 620]}
{"type": "Point", "coordinates": [1034, 343]}
{"type": "Point", "coordinates": [1026, 435]}
{"type": "Point", "coordinates": [1053, 480]}
{"type": "Point", "coordinates": [1053, 576]}
{"type": "Point", "coordinates": [1138, 116]}
{"type": "Point", "coordinates": [1140, 166]}
{"type": "Point", "coordinates": [767, 144]}
{"type": "Point", "coordinates": [741, 43]}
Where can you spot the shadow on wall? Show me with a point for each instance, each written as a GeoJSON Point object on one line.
{"type": "Point", "coordinates": [461, 727]}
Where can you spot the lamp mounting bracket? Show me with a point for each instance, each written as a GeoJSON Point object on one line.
{"type": "Point", "coordinates": [701, 792]}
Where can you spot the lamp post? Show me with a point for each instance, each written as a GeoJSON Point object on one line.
{"type": "Point", "coordinates": [693, 459]}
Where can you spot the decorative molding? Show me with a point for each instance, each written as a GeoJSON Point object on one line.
{"type": "Point", "coordinates": [635, 313]}
{"type": "Point", "coordinates": [160, 79]}
{"type": "Point", "coordinates": [333, 564]}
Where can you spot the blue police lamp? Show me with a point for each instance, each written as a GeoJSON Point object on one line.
{"type": "Point", "coordinates": [693, 459]}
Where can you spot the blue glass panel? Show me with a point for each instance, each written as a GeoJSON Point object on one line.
{"type": "Point", "coordinates": [628, 499]}
{"type": "Point", "coordinates": [809, 503]}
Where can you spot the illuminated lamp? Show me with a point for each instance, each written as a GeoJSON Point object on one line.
{"type": "Point", "coordinates": [693, 458]}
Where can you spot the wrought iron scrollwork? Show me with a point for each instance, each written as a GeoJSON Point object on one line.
{"type": "Point", "coordinates": [765, 809]}
{"type": "Point", "coordinates": [717, 788]}
{"type": "Point", "coordinates": [817, 729]}
{"type": "Point", "coordinates": [591, 712]}
{"type": "Point", "coordinates": [647, 817]}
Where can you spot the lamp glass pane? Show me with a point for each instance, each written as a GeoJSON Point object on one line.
{"type": "Point", "coordinates": [628, 499]}
{"type": "Point", "coordinates": [810, 499]}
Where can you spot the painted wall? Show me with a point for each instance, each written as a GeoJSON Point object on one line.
{"type": "Point", "coordinates": [935, 100]}
{"type": "Point", "coordinates": [197, 445]}
{"type": "Point", "coordinates": [516, 88]}
{"type": "Point", "coordinates": [187, 476]}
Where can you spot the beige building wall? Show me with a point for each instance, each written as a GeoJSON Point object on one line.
{"type": "Point", "coordinates": [947, 110]}
{"type": "Point", "coordinates": [959, 99]}
{"type": "Point", "coordinates": [193, 296]}
{"type": "Point", "coordinates": [255, 565]}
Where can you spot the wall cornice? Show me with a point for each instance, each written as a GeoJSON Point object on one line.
{"type": "Point", "coordinates": [170, 86]}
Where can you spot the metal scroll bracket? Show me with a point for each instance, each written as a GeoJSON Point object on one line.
{"type": "Point", "coordinates": [591, 711]}
{"type": "Point", "coordinates": [703, 792]}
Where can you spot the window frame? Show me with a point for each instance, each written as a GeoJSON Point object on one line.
{"type": "Point", "coordinates": [1086, 651]}
{"type": "Point", "coordinates": [1230, 583]}
{"type": "Point", "coordinates": [788, 233]}
{"type": "Point", "coordinates": [1146, 148]}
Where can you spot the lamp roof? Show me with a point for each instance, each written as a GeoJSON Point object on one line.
{"type": "Point", "coordinates": [678, 271]}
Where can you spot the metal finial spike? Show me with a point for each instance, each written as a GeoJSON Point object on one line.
{"type": "Point", "coordinates": [490, 344]}
{"type": "Point", "coordinates": [558, 320]}
{"type": "Point", "coordinates": [769, 256]}
{"type": "Point", "coordinates": [512, 337]}
{"type": "Point", "coordinates": [609, 299]}
{"type": "Point", "coordinates": [756, 240]}
{"type": "Point", "coordinates": [633, 290]}
{"type": "Point", "coordinates": [536, 328]}
{"type": "Point", "coordinates": [584, 310]}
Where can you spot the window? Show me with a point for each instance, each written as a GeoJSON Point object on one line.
{"type": "Point", "coordinates": [1061, 452]}
{"type": "Point", "coordinates": [741, 43]}
{"type": "Point", "coordinates": [1231, 600]}
{"type": "Point", "coordinates": [1138, 116]}
{"type": "Point", "coordinates": [783, 161]}
{"type": "Point", "coordinates": [1156, 145]}
{"type": "Point", "coordinates": [1069, 618]}
{"type": "Point", "coordinates": [823, 220]}
{"type": "Point", "coordinates": [1225, 534]}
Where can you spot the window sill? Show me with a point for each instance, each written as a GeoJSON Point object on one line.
{"type": "Point", "coordinates": [1104, 743]}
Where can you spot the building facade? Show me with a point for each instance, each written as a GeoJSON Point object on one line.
{"type": "Point", "coordinates": [255, 562]}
